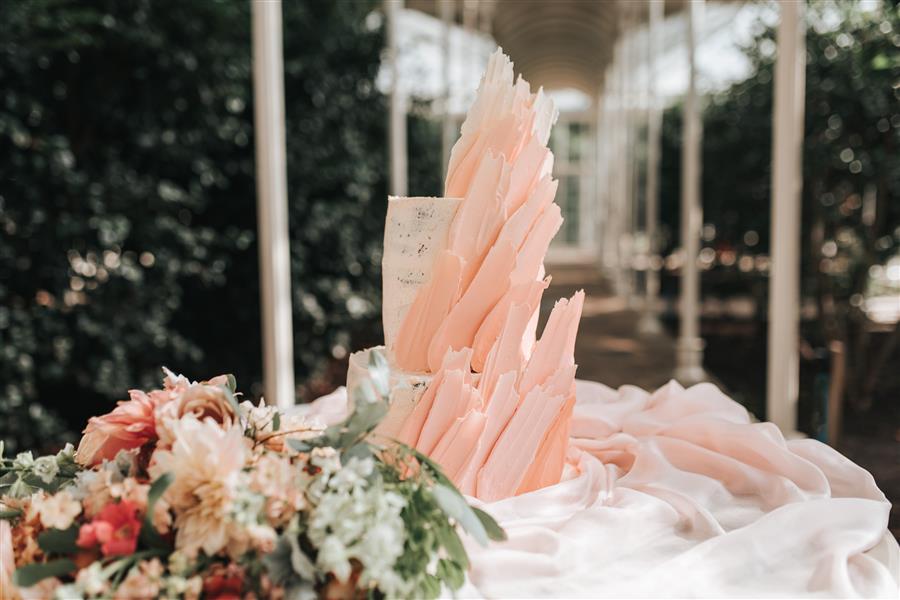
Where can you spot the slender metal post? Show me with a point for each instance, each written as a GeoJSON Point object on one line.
{"type": "Point", "coordinates": [632, 121]}
{"type": "Point", "coordinates": [690, 346]}
{"type": "Point", "coordinates": [601, 180]}
{"type": "Point", "coordinates": [616, 169]}
{"type": "Point", "coordinates": [626, 241]}
{"type": "Point", "coordinates": [649, 323]}
{"type": "Point", "coordinates": [397, 117]}
{"type": "Point", "coordinates": [272, 210]}
{"type": "Point", "coordinates": [470, 25]}
{"type": "Point", "coordinates": [787, 182]}
{"type": "Point", "coordinates": [608, 139]}
{"type": "Point", "coordinates": [448, 8]}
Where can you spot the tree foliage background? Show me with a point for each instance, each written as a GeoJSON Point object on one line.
{"type": "Point", "coordinates": [127, 195]}
{"type": "Point", "coordinates": [127, 206]}
{"type": "Point", "coordinates": [851, 186]}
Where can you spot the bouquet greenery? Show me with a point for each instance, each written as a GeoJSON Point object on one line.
{"type": "Point", "coordinates": [188, 492]}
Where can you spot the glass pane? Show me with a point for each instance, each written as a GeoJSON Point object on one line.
{"type": "Point", "coordinates": [577, 135]}
{"type": "Point", "coordinates": [569, 203]}
{"type": "Point", "coordinates": [556, 139]}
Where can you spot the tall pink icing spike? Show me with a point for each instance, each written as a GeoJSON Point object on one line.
{"type": "Point", "coordinates": [505, 431]}
{"type": "Point", "coordinates": [428, 311]}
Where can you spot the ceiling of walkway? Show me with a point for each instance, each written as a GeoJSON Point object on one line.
{"type": "Point", "coordinates": [556, 44]}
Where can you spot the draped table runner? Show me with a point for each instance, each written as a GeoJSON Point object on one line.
{"type": "Point", "coordinates": [680, 494]}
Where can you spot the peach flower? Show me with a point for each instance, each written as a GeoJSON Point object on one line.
{"type": "Point", "coordinates": [130, 425]}
{"type": "Point", "coordinates": [206, 462]}
{"type": "Point", "coordinates": [203, 400]}
{"type": "Point", "coordinates": [58, 511]}
{"type": "Point", "coordinates": [25, 533]}
{"type": "Point", "coordinates": [141, 582]}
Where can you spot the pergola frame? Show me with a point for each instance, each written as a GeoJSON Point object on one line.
{"type": "Point", "coordinates": [605, 74]}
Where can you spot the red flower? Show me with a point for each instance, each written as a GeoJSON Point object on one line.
{"type": "Point", "coordinates": [115, 529]}
{"type": "Point", "coordinates": [224, 583]}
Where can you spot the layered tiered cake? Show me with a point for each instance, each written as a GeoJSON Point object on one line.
{"type": "Point", "coordinates": [472, 386]}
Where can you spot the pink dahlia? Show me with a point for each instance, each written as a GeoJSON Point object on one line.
{"type": "Point", "coordinates": [130, 425]}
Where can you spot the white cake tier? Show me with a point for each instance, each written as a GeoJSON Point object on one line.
{"type": "Point", "coordinates": [415, 233]}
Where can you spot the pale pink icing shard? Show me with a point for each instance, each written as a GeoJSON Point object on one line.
{"type": "Point", "coordinates": [503, 118]}
{"type": "Point", "coordinates": [535, 163]}
{"type": "Point", "coordinates": [530, 257]}
{"type": "Point", "coordinates": [480, 217]}
{"type": "Point", "coordinates": [556, 347]}
{"type": "Point", "coordinates": [459, 328]}
{"type": "Point", "coordinates": [412, 427]}
{"type": "Point", "coordinates": [550, 460]}
{"type": "Point", "coordinates": [505, 355]}
{"type": "Point", "coordinates": [453, 399]}
{"type": "Point", "coordinates": [428, 311]}
{"type": "Point", "coordinates": [516, 450]}
{"type": "Point", "coordinates": [459, 442]}
{"type": "Point", "coordinates": [516, 229]}
{"type": "Point", "coordinates": [528, 294]}
{"type": "Point", "coordinates": [550, 456]}
{"type": "Point", "coordinates": [499, 410]}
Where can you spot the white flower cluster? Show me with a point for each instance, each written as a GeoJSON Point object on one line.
{"type": "Point", "coordinates": [356, 518]}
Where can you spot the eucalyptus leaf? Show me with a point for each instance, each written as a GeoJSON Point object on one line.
{"type": "Point", "coordinates": [232, 401]}
{"type": "Point", "coordinates": [451, 573]}
{"type": "Point", "coordinates": [449, 539]}
{"type": "Point", "coordinates": [300, 445]}
{"type": "Point", "coordinates": [10, 514]}
{"type": "Point", "coordinates": [59, 541]}
{"type": "Point", "coordinates": [364, 393]}
{"type": "Point", "coordinates": [360, 450]}
{"type": "Point", "coordinates": [456, 507]}
{"type": "Point", "coordinates": [28, 575]}
{"type": "Point", "coordinates": [149, 536]}
{"type": "Point", "coordinates": [493, 529]}
{"type": "Point", "coordinates": [157, 489]}
{"type": "Point", "coordinates": [431, 586]}
{"type": "Point", "coordinates": [379, 373]}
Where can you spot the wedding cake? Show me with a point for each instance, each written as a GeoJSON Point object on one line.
{"type": "Point", "coordinates": [463, 277]}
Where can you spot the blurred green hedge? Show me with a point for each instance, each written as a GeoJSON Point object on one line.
{"type": "Point", "coordinates": [851, 192]}
{"type": "Point", "coordinates": [127, 207]}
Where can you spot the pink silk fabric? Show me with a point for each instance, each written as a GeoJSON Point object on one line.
{"type": "Point", "coordinates": [680, 494]}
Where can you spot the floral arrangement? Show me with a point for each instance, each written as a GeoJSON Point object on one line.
{"type": "Point", "coordinates": [188, 492]}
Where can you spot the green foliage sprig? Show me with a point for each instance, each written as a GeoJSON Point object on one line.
{"type": "Point", "coordinates": [23, 475]}
{"type": "Point", "coordinates": [434, 554]}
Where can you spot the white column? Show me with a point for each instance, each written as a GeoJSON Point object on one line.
{"type": "Point", "coordinates": [626, 241]}
{"type": "Point", "coordinates": [608, 139]}
{"type": "Point", "coordinates": [787, 182]}
{"type": "Point", "coordinates": [448, 8]}
{"type": "Point", "coordinates": [690, 346]}
{"type": "Point", "coordinates": [615, 171]}
{"type": "Point", "coordinates": [649, 323]}
{"type": "Point", "coordinates": [632, 121]}
{"type": "Point", "coordinates": [599, 179]}
{"type": "Point", "coordinates": [397, 117]}
{"type": "Point", "coordinates": [470, 25]}
{"type": "Point", "coordinates": [272, 213]}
